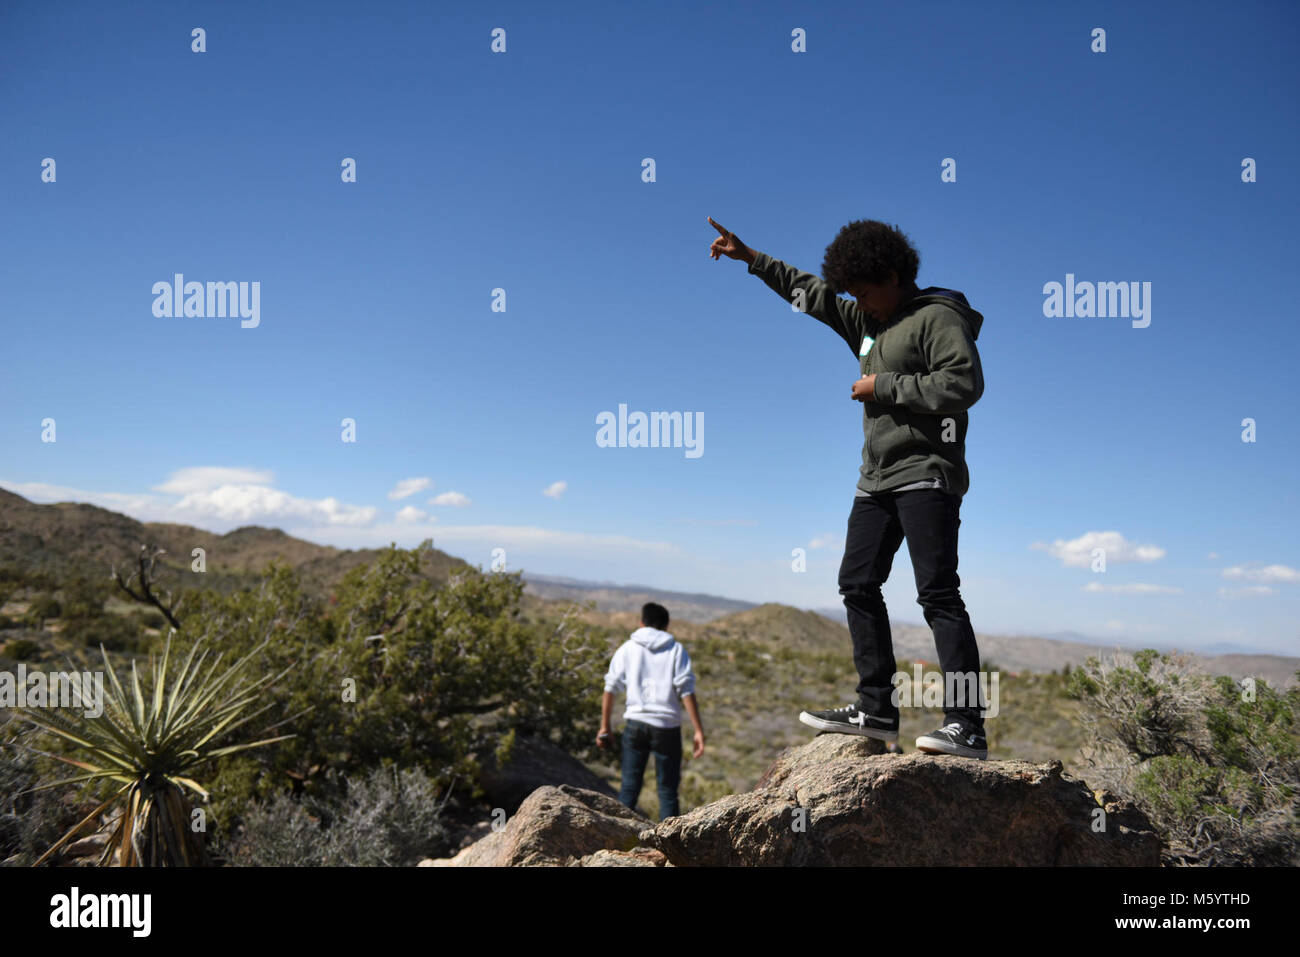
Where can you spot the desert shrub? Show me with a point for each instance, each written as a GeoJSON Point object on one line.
{"type": "Point", "coordinates": [388, 818]}
{"type": "Point", "coordinates": [277, 832]}
{"type": "Point", "coordinates": [397, 670]}
{"type": "Point", "coordinates": [82, 598]}
{"type": "Point", "coordinates": [749, 662]}
{"type": "Point", "coordinates": [19, 578]}
{"type": "Point", "coordinates": [114, 632]}
{"type": "Point", "coordinates": [42, 608]}
{"type": "Point", "coordinates": [1217, 769]}
{"type": "Point", "coordinates": [22, 649]}
{"type": "Point", "coordinates": [29, 821]}
{"type": "Point", "coordinates": [153, 619]}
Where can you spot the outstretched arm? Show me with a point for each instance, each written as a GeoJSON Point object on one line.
{"type": "Point", "coordinates": [801, 289]}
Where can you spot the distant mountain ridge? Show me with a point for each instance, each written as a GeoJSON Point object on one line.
{"type": "Point", "coordinates": [66, 539]}
{"type": "Point", "coordinates": [912, 641]}
{"type": "Point", "coordinates": [684, 606]}
{"type": "Point", "coordinates": [76, 539]}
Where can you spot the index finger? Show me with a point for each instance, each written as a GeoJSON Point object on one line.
{"type": "Point", "coordinates": [721, 229]}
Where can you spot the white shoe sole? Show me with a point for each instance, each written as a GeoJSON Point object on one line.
{"type": "Point", "coordinates": [938, 746]}
{"type": "Point", "coordinates": [821, 725]}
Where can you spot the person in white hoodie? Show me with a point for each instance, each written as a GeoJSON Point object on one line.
{"type": "Point", "coordinates": [655, 671]}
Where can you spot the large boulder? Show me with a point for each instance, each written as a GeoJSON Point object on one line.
{"type": "Point", "coordinates": [637, 857]}
{"type": "Point", "coordinates": [535, 762]}
{"type": "Point", "coordinates": [837, 801]}
{"type": "Point", "coordinates": [554, 826]}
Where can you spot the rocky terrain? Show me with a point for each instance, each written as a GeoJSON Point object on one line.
{"type": "Point", "coordinates": [838, 801]}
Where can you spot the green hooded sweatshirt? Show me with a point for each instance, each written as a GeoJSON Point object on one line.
{"type": "Point", "coordinates": [927, 373]}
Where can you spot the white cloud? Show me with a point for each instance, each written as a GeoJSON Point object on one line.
{"type": "Point", "coordinates": [1134, 589]}
{"type": "Point", "coordinates": [1266, 573]}
{"type": "Point", "coordinates": [1249, 591]}
{"type": "Point", "coordinates": [408, 487]}
{"type": "Point", "coordinates": [260, 504]}
{"type": "Point", "coordinates": [204, 478]}
{"type": "Point", "coordinates": [555, 489]}
{"type": "Point", "coordinates": [1077, 552]}
{"type": "Point", "coordinates": [1212, 556]}
{"type": "Point", "coordinates": [450, 500]}
{"type": "Point", "coordinates": [411, 514]}
{"type": "Point", "coordinates": [146, 508]}
{"type": "Point", "coordinates": [829, 540]}
{"type": "Point", "coordinates": [208, 506]}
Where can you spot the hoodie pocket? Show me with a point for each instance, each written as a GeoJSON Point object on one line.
{"type": "Point", "coordinates": [890, 440]}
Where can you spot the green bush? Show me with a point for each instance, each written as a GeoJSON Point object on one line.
{"type": "Point", "coordinates": [393, 670]}
{"type": "Point", "coordinates": [23, 649]}
{"type": "Point", "coordinates": [399, 671]}
{"type": "Point", "coordinates": [114, 632]}
{"type": "Point", "coordinates": [1216, 769]}
{"type": "Point", "coordinates": [42, 608]}
{"type": "Point", "coordinates": [83, 598]}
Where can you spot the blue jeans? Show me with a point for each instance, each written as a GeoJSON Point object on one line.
{"type": "Point", "coordinates": [639, 741]}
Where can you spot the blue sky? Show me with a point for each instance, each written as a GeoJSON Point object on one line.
{"type": "Point", "coordinates": [522, 171]}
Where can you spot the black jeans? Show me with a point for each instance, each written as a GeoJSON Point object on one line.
{"type": "Point", "coordinates": [639, 741]}
{"type": "Point", "coordinates": [928, 519]}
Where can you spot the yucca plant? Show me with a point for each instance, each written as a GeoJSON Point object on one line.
{"type": "Point", "coordinates": [151, 742]}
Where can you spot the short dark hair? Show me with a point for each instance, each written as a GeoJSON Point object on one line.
{"type": "Point", "coordinates": [867, 250]}
{"type": "Point", "coordinates": [654, 616]}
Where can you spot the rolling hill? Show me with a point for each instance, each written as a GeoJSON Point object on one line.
{"type": "Point", "coordinates": [68, 539]}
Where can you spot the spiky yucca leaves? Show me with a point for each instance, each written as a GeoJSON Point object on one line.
{"type": "Point", "coordinates": [151, 742]}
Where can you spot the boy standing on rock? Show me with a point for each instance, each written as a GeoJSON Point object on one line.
{"type": "Point", "coordinates": [655, 671]}
{"type": "Point", "coordinates": [920, 373]}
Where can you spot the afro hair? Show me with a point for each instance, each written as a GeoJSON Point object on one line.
{"type": "Point", "coordinates": [868, 251]}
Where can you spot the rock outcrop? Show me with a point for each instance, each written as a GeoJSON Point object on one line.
{"type": "Point", "coordinates": [554, 826]}
{"type": "Point", "coordinates": [637, 857]}
{"type": "Point", "coordinates": [838, 801]}
{"type": "Point", "coordinates": [833, 802]}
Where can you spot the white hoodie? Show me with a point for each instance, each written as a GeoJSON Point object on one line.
{"type": "Point", "coordinates": [655, 671]}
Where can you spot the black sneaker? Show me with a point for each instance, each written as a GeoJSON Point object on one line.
{"type": "Point", "coordinates": [955, 738]}
{"type": "Point", "coordinates": [850, 720]}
